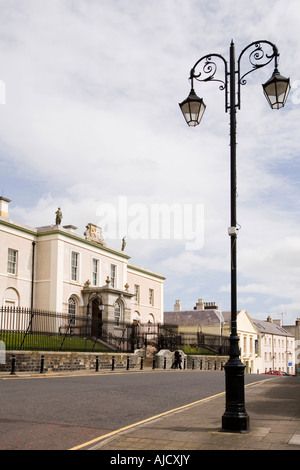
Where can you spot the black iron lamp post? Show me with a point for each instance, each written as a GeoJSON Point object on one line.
{"type": "Point", "coordinates": [276, 89]}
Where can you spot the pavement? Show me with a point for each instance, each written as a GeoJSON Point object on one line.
{"type": "Point", "coordinates": [273, 405]}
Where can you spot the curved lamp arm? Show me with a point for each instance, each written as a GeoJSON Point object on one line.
{"type": "Point", "coordinates": [208, 72]}
{"type": "Point", "coordinates": [261, 53]}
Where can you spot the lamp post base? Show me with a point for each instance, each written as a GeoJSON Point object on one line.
{"type": "Point", "coordinates": [237, 424]}
{"type": "Point", "coordinates": [235, 417]}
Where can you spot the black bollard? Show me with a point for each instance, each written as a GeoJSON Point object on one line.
{"type": "Point", "coordinates": [141, 366]}
{"type": "Point", "coordinates": [97, 364]}
{"type": "Point", "coordinates": [153, 365]}
{"type": "Point", "coordinates": [127, 367]}
{"type": "Point", "coordinates": [13, 361]}
{"type": "Point", "coordinates": [165, 362]}
{"type": "Point", "coordinates": [42, 364]}
{"type": "Point", "coordinates": [113, 363]}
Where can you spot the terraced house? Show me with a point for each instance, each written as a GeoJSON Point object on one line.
{"type": "Point", "coordinates": [276, 346]}
{"type": "Point", "coordinates": [264, 345]}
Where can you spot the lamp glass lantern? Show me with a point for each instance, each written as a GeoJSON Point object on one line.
{"type": "Point", "coordinates": [192, 109]}
{"type": "Point", "coordinates": [276, 90]}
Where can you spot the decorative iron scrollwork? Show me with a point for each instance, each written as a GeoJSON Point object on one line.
{"type": "Point", "coordinates": [208, 71]}
{"type": "Point", "coordinates": [261, 53]}
{"type": "Point", "coordinates": [258, 57]}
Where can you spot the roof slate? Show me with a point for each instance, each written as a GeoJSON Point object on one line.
{"type": "Point", "coordinates": [269, 327]}
{"type": "Point", "coordinates": [211, 317]}
{"type": "Point", "coordinates": [195, 317]}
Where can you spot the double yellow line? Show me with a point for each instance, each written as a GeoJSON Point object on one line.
{"type": "Point", "coordinates": [126, 428]}
{"type": "Point", "coordinates": [113, 433]}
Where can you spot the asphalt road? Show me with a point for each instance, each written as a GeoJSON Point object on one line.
{"type": "Point", "coordinates": [58, 413]}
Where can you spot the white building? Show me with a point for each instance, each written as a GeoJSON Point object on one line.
{"type": "Point", "coordinates": [264, 345]}
{"type": "Point", "coordinates": [54, 268]}
{"type": "Point", "coordinates": [208, 319]}
{"type": "Point", "coordinates": [294, 330]}
{"type": "Point", "coordinates": [276, 346]}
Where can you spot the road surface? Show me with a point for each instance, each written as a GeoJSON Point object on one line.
{"type": "Point", "coordinates": [58, 413]}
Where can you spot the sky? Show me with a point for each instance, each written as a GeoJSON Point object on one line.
{"type": "Point", "coordinates": [90, 122]}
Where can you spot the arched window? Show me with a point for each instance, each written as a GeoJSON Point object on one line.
{"type": "Point", "coordinates": [136, 316]}
{"type": "Point", "coordinates": [118, 313]}
{"type": "Point", "coordinates": [72, 310]}
{"type": "Point", "coordinates": [151, 327]}
{"type": "Point", "coordinates": [11, 297]}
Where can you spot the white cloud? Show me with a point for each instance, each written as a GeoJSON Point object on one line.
{"type": "Point", "coordinates": [91, 113]}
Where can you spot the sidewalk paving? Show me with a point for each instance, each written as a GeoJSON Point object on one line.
{"type": "Point", "coordinates": [273, 406]}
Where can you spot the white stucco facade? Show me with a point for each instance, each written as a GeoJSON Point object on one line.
{"type": "Point", "coordinates": [42, 268]}
{"type": "Point", "coordinates": [276, 347]}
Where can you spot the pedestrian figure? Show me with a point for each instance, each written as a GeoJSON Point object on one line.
{"type": "Point", "coordinates": [177, 360]}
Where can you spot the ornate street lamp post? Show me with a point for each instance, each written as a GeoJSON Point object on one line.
{"type": "Point", "coordinates": [276, 89]}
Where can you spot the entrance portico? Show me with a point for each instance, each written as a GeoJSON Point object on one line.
{"type": "Point", "coordinates": [105, 299]}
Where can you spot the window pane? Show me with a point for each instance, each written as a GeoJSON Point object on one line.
{"type": "Point", "coordinates": [117, 313]}
{"type": "Point", "coordinates": [95, 272]}
{"type": "Point", "coordinates": [74, 266]}
{"type": "Point", "coordinates": [113, 270]}
{"type": "Point", "coordinates": [72, 310]}
{"type": "Point", "coordinates": [151, 296]}
{"type": "Point", "coordinates": [136, 292]}
{"type": "Point", "coordinates": [12, 261]}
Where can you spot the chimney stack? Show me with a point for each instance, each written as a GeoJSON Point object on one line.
{"type": "Point", "coordinates": [200, 305]}
{"type": "Point", "coordinates": [4, 207]}
{"type": "Point", "coordinates": [269, 319]}
{"type": "Point", "coordinates": [177, 306]}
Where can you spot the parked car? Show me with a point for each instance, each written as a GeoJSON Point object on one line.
{"type": "Point", "coordinates": [273, 372]}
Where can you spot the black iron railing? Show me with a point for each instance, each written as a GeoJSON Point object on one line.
{"type": "Point", "coordinates": [26, 329]}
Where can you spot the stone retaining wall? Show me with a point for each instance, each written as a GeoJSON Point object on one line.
{"type": "Point", "coordinates": [47, 361]}
{"type": "Point", "coordinates": [33, 361]}
{"type": "Point", "coordinates": [164, 359]}
{"type": "Point", "coordinates": [206, 362]}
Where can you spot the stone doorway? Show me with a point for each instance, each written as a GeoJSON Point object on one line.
{"type": "Point", "coordinates": [97, 322]}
